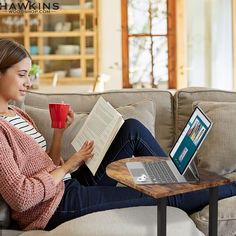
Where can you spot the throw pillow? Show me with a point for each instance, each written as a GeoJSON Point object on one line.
{"type": "Point", "coordinates": [218, 151]}
{"type": "Point", "coordinates": [42, 119]}
{"type": "Point", "coordinates": [143, 111]}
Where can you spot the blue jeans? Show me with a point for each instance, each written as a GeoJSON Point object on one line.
{"type": "Point", "coordinates": [86, 193]}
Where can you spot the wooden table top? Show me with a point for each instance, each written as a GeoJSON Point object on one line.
{"type": "Point", "coordinates": [118, 171]}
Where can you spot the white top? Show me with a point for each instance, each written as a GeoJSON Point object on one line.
{"type": "Point", "coordinates": [26, 127]}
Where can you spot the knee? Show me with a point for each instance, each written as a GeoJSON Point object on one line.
{"type": "Point", "coordinates": [132, 124]}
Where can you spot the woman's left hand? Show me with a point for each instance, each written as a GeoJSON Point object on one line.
{"type": "Point", "coordinates": [69, 121]}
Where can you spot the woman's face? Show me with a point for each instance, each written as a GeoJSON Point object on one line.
{"type": "Point", "coordinates": [15, 81]}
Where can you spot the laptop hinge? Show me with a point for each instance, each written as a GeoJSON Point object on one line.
{"type": "Point", "coordinates": [194, 170]}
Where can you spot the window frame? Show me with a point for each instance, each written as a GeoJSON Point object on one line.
{"type": "Point", "coordinates": [171, 38]}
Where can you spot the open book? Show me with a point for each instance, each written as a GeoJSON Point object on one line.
{"type": "Point", "coordinates": [101, 126]}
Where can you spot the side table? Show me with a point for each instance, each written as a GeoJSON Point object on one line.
{"type": "Point", "coordinates": [208, 180]}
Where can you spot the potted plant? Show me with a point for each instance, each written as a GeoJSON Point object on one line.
{"type": "Point", "coordinates": [34, 76]}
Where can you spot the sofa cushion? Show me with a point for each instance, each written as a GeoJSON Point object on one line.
{"type": "Point", "coordinates": [184, 99]}
{"type": "Point", "coordinates": [218, 151]}
{"type": "Point", "coordinates": [226, 217]}
{"type": "Point", "coordinates": [4, 214]}
{"type": "Point", "coordinates": [143, 111]}
{"type": "Point", "coordinates": [141, 221]}
{"type": "Point", "coordinates": [84, 102]}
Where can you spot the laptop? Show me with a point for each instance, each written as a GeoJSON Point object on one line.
{"type": "Point", "coordinates": [177, 169]}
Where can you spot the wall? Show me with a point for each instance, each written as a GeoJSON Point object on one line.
{"type": "Point", "coordinates": [110, 42]}
{"type": "Point", "coordinates": [181, 42]}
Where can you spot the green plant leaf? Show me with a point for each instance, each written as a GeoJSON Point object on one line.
{"type": "Point", "coordinates": [35, 69]}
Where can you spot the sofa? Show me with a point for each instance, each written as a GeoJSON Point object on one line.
{"type": "Point", "coordinates": [164, 113]}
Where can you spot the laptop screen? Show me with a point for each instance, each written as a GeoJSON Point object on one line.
{"type": "Point", "coordinates": [190, 139]}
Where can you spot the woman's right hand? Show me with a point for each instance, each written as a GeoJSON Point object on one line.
{"type": "Point", "coordinates": [74, 162]}
{"type": "Point", "coordinates": [80, 157]}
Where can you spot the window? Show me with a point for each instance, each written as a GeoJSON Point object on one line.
{"type": "Point", "coordinates": [148, 42]}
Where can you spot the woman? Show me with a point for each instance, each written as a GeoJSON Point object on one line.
{"type": "Point", "coordinates": [37, 185]}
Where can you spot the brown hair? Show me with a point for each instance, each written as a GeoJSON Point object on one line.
{"type": "Point", "coordinates": [11, 53]}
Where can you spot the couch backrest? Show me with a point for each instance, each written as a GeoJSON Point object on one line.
{"type": "Point", "coordinates": [172, 113]}
{"type": "Point", "coordinates": [83, 103]}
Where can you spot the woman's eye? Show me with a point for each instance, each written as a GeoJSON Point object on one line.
{"type": "Point", "coordinates": [21, 75]}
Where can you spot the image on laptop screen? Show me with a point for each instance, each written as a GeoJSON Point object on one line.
{"type": "Point", "coordinates": [190, 140]}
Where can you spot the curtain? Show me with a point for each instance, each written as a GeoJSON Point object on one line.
{"type": "Point", "coordinates": [209, 43]}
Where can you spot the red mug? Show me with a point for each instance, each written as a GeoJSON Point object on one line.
{"type": "Point", "coordinates": [58, 113]}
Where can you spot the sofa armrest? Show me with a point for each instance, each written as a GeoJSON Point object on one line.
{"type": "Point", "coordinates": [226, 217]}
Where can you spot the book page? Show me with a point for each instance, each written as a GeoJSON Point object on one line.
{"type": "Point", "coordinates": [101, 126]}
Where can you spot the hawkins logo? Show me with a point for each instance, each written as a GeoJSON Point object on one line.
{"type": "Point", "coordinates": [29, 6]}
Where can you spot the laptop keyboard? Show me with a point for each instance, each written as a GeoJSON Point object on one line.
{"type": "Point", "coordinates": [160, 172]}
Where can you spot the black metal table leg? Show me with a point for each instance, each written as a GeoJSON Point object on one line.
{"type": "Point", "coordinates": [213, 211]}
{"type": "Point", "coordinates": [161, 217]}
